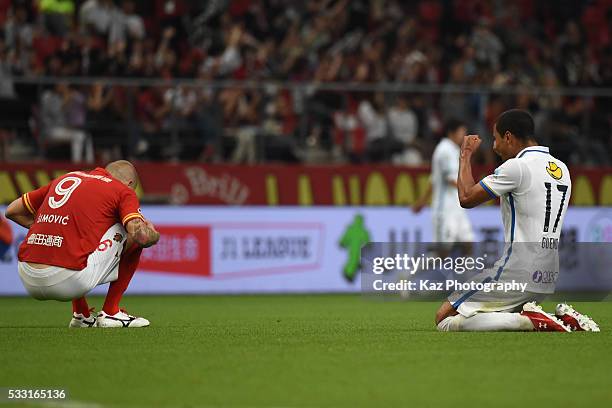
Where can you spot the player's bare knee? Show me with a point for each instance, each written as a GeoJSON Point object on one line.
{"type": "Point", "coordinates": [440, 315]}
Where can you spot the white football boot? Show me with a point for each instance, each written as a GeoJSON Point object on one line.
{"type": "Point", "coordinates": [79, 320]}
{"type": "Point", "coordinates": [576, 321]}
{"type": "Point", "coordinates": [543, 321]}
{"type": "Point", "coordinates": [121, 319]}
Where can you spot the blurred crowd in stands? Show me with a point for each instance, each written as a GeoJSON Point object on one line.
{"type": "Point", "coordinates": [286, 50]}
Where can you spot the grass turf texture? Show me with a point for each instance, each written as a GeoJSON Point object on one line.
{"type": "Point", "coordinates": [299, 351]}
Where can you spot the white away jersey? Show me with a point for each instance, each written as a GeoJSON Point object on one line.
{"type": "Point", "coordinates": [445, 168]}
{"type": "Point", "coordinates": [534, 188]}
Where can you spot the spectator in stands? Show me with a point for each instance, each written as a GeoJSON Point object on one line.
{"type": "Point", "coordinates": [127, 25]}
{"type": "Point", "coordinates": [74, 107]}
{"type": "Point", "coordinates": [7, 88]}
{"type": "Point", "coordinates": [403, 122]}
{"type": "Point", "coordinates": [275, 131]}
{"type": "Point", "coordinates": [7, 96]}
{"type": "Point", "coordinates": [487, 45]}
{"type": "Point", "coordinates": [230, 59]}
{"type": "Point", "coordinates": [61, 109]}
{"type": "Point", "coordinates": [102, 121]}
{"type": "Point", "coordinates": [467, 42]}
{"type": "Point", "coordinates": [455, 104]}
{"type": "Point", "coordinates": [57, 15]}
{"type": "Point", "coordinates": [197, 134]}
{"type": "Point", "coordinates": [152, 112]}
{"type": "Point", "coordinates": [241, 111]}
{"type": "Point", "coordinates": [97, 16]}
{"type": "Point", "coordinates": [69, 53]}
{"type": "Point", "coordinates": [372, 115]}
{"type": "Point", "coordinates": [165, 57]}
{"type": "Point", "coordinates": [18, 30]}
{"type": "Point", "coordinates": [570, 54]}
{"type": "Point", "coordinates": [403, 126]}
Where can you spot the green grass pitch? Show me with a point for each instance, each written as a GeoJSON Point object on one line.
{"type": "Point", "coordinates": [298, 351]}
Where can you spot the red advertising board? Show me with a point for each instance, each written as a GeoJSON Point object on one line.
{"type": "Point", "coordinates": [181, 249]}
{"type": "Point", "coordinates": [284, 184]}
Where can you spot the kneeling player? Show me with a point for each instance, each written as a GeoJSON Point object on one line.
{"type": "Point", "coordinates": [85, 229]}
{"type": "Point", "coordinates": [534, 188]}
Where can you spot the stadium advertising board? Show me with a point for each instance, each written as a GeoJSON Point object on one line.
{"type": "Point", "coordinates": [287, 249]}
{"type": "Point", "coordinates": [272, 185]}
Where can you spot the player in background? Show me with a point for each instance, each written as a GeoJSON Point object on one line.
{"type": "Point", "coordinates": [452, 231]}
{"type": "Point", "coordinates": [85, 229]}
{"type": "Point", "coordinates": [451, 226]}
{"type": "Point", "coordinates": [534, 188]}
{"type": "Point", "coordinates": [6, 236]}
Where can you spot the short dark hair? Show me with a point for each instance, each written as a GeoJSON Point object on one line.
{"type": "Point", "coordinates": [452, 125]}
{"type": "Point", "coordinates": [518, 122]}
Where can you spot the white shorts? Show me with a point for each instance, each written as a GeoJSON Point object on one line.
{"type": "Point", "coordinates": [452, 227]}
{"type": "Point", "coordinates": [57, 283]}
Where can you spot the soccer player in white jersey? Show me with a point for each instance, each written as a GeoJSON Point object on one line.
{"type": "Point", "coordinates": [450, 225]}
{"type": "Point", "coordinates": [450, 222]}
{"type": "Point", "coordinates": [534, 188]}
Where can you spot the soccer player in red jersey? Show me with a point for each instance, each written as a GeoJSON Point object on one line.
{"type": "Point", "coordinates": [85, 229]}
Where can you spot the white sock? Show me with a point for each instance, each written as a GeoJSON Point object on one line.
{"type": "Point", "coordinates": [492, 321]}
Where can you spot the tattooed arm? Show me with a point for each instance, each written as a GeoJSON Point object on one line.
{"type": "Point", "coordinates": [142, 232]}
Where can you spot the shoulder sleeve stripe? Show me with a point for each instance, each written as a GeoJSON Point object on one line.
{"type": "Point", "coordinates": [26, 201]}
{"type": "Point", "coordinates": [488, 189]}
{"type": "Point", "coordinates": [131, 216]}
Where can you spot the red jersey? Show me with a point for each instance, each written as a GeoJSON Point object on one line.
{"type": "Point", "coordinates": [71, 214]}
